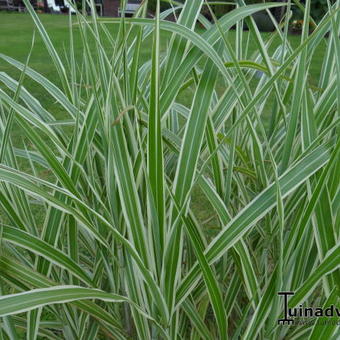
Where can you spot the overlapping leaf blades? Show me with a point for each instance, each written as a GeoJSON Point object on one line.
{"type": "Point", "coordinates": [121, 251]}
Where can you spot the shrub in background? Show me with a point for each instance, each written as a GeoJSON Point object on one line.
{"type": "Point", "coordinates": [318, 9]}
{"type": "Point", "coordinates": [164, 4]}
{"type": "Point", "coordinates": [218, 10]}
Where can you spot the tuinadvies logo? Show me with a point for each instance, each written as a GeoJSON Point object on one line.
{"type": "Point", "coordinates": [291, 314]}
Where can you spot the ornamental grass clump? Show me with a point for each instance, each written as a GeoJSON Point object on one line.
{"type": "Point", "coordinates": [100, 235]}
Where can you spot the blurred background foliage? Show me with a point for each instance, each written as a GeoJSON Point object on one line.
{"type": "Point", "coordinates": [318, 7]}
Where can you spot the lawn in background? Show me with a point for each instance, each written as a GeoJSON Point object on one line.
{"type": "Point", "coordinates": [16, 30]}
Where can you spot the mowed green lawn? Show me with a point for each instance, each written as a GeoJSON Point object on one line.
{"type": "Point", "coordinates": [16, 34]}
{"type": "Point", "coordinates": [16, 31]}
